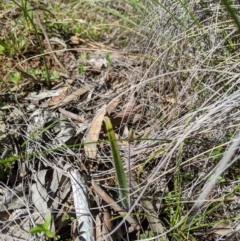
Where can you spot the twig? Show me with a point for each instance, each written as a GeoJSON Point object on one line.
{"type": "Point", "coordinates": [71, 115]}
{"type": "Point", "coordinates": [49, 44]}
{"type": "Point", "coordinates": [115, 206]}
{"type": "Point", "coordinates": [130, 139]}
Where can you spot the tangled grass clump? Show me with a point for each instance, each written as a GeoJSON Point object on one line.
{"type": "Point", "coordinates": [191, 93]}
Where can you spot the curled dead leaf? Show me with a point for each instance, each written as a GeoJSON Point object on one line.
{"type": "Point", "coordinates": [129, 112]}
{"type": "Point", "coordinates": [112, 105]}
{"type": "Point", "coordinates": [92, 135]}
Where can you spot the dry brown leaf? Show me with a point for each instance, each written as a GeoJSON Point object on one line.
{"type": "Point", "coordinates": [74, 96]}
{"type": "Point", "coordinates": [70, 81]}
{"type": "Point", "coordinates": [112, 105]}
{"type": "Point", "coordinates": [154, 222]}
{"type": "Point", "coordinates": [74, 231]}
{"type": "Point", "coordinates": [128, 112]}
{"type": "Point", "coordinates": [223, 229]}
{"type": "Point", "coordinates": [107, 222]}
{"type": "Point", "coordinates": [93, 133]}
{"type": "Point", "coordinates": [98, 230]}
{"type": "Point", "coordinates": [104, 225]}
{"type": "Point", "coordinates": [75, 40]}
{"type": "Point", "coordinates": [56, 99]}
{"type": "Point", "coordinates": [137, 108]}
{"type": "Point", "coordinates": [97, 64]}
{"type": "Point", "coordinates": [39, 193]}
{"type": "Point", "coordinates": [47, 94]}
{"type": "Point", "coordinates": [171, 100]}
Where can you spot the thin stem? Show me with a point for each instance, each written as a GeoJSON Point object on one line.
{"type": "Point", "coordinates": [130, 138]}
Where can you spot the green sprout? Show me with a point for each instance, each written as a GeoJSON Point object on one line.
{"type": "Point", "coordinates": [43, 228]}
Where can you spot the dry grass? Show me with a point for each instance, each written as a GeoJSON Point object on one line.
{"type": "Point", "coordinates": [191, 96]}
{"type": "Point", "coordinates": [177, 85]}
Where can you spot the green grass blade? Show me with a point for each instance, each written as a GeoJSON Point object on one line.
{"type": "Point", "coordinates": [232, 13]}
{"type": "Point", "coordinates": [118, 14]}
{"type": "Point", "coordinates": [191, 14]}
{"type": "Point", "coordinates": [171, 14]}
{"type": "Point", "coordinates": [120, 175]}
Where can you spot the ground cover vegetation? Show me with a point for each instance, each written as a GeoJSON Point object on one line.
{"type": "Point", "coordinates": [119, 120]}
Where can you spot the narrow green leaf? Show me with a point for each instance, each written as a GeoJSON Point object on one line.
{"type": "Point", "coordinates": [232, 13]}
{"type": "Point", "coordinates": [37, 229]}
{"type": "Point", "coordinates": [120, 175]}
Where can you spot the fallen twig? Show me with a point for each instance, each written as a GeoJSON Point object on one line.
{"type": "Point", "coordinates": [71, 115]}
{"type": "Point", "coordinates": [134, 224]}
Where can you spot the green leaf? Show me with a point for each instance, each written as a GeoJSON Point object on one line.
{"type": "Point", "coordinates": [55, 75]}
{"type": "Point", "coordinates": [49, 234]}
{"type": "Point", "coordinates": [108, 59]}
{"type": "Point", "coordinates": [37, 229]}
{"type": "Point", "coordinates": [15, 77]}
{"type": "Point", "coordinates": [143, 236]}
{"type": "Point", "coordinates": [2, 49]}
{"type": "Point", "coordinates": [43, 228]}
{"type": "Point", "coordinates": [81, 69]}
{"type": "Point", "coordinates": [121, 177]}
{"type": "Point", "coordinates": [47, 222]}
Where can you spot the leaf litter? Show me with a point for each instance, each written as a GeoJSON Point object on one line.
{"type": "Point", "coordinates": [60, 117]}
{"type": "Point", "coordinates": [45, 140]}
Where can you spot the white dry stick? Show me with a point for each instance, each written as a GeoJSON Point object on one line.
{"type": "Point", "coordinates": [213, 179]}
{"type": "Point", "coordinates": [85, 224]}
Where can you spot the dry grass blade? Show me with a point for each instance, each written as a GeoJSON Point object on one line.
{"type": "Point", "coordinates": [92, 135]}
{"type": "Point", "coordinates": [175, 83]}
{"type": "Point", "coordinates": [214, 177]}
